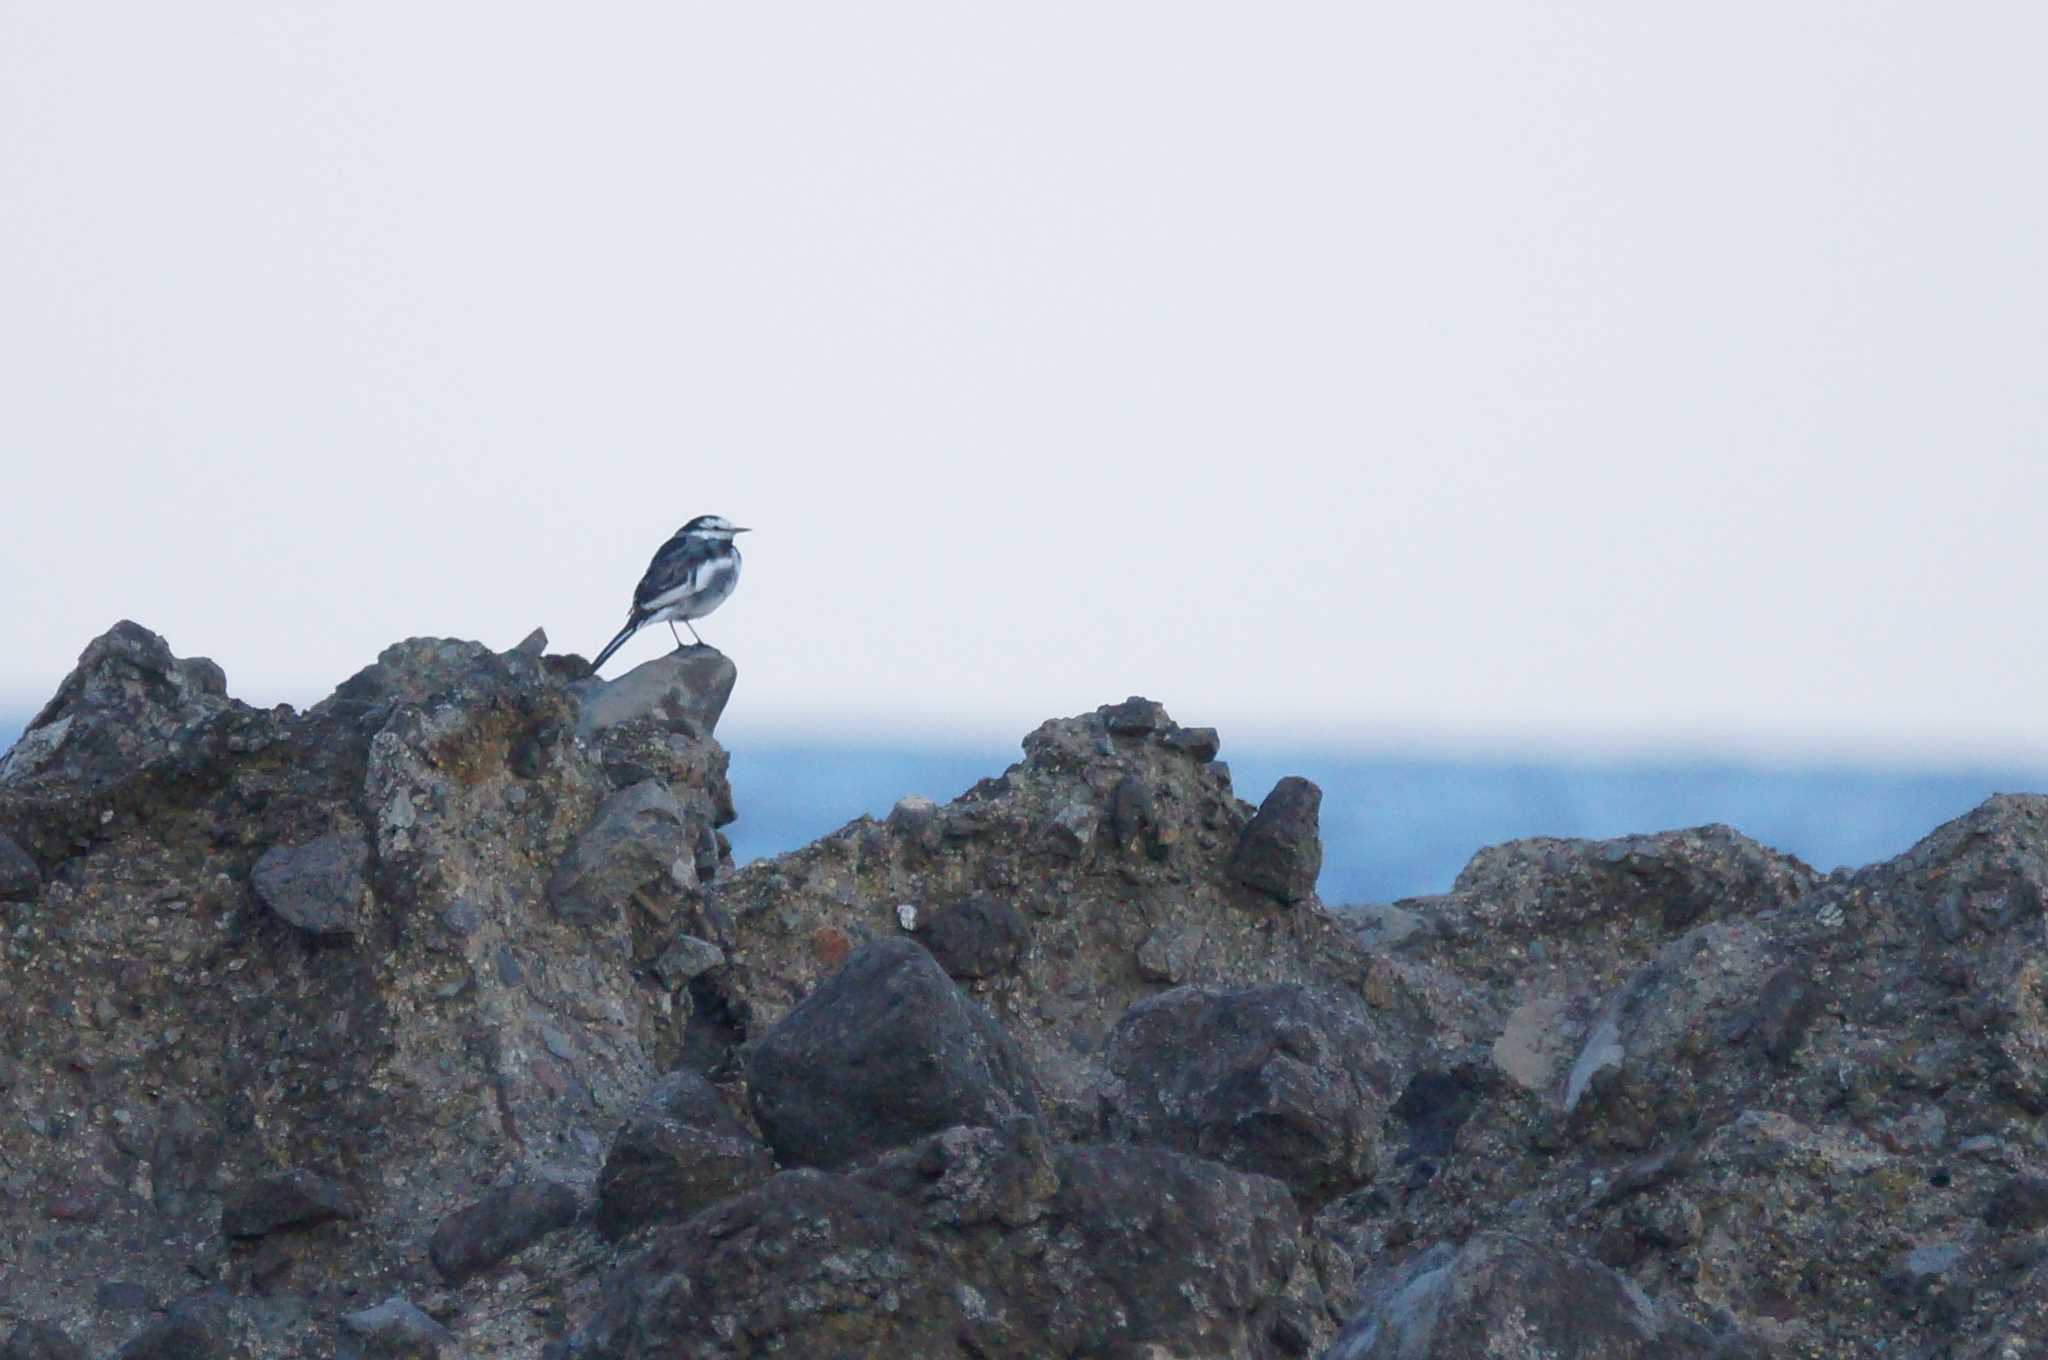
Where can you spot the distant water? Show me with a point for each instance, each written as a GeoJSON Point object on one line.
{"type": "Point", "coordinates": [1403, 826]}
{"type": "Point", "coordinates": [1400, 826]}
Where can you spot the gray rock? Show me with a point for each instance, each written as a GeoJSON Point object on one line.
{"type": "Point", "coordinates": [975, 939]}
{"type": "Point", "coordinates": [885, 1050]}
{"type": "Point", "coordinates": [2020, 1204]}
{"type": "Point", "coordinates": [40, 1341]}
{"type": "Point", "coordinates": [534, 644]}
{"type": "Point", "coordinates": [687, 957]}
{"type": "Point", "coordinates": [320, 886]}
{"type": "Point", "coordinates": [640, 837]}
{"type": "Point", "coordinates": [1280, 852]}
{"type": "Point", "coordinates": [685, 690]}
{"type": "Point", "coordinates": [128, 704]}
{"type": "Point", "coordinates": [19, 877]}
{"type": "Point", "coordinates": [393, 1330]}
{"type": "Point", "coordinates": [1285, 1081]}
{"type": "Point", "coordinates": [287, 1201]}
{"type": "Point", "coordinates": [1506, 1296]}
{"type": "Point", "coordinates": [808, 1264]}
{"type": "Point", "coordinates": [681, 1152]}
{"type": "Point", "coordinates": [198, 1327]}
{"type": "Point", "coordinates": [502, 1223]}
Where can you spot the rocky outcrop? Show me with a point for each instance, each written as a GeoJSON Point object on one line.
{"type": "Point", "coordinates": [437, 1020]}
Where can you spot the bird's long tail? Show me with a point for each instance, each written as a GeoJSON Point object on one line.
{"type": "Point", "coordinates": [632, 627]}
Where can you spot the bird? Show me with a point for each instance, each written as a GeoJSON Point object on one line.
{"type": "Point", "coordinates": [692, 574]}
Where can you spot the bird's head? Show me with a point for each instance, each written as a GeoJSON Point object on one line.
{"type": "Point", "coordinates": [717, 528]}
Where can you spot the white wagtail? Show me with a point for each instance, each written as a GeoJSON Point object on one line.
{"type": "Point", "coordinates": [691, 576]}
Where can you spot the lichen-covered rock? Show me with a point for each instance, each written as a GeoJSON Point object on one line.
{"type": "Point", "coordinates": [1284, 1080]}
{"type": "Point", "coordinates": [682, 1151]}
{"type": "Point", "coordinates": [1512, 1297]}
{"type": "Point", "coordinates": [1280, 851]}
{"type": "Point", "coordinates": [885, 1050]}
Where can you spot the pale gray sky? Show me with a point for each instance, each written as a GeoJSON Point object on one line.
{"type": "Point", "coordinates": [1555, 373]}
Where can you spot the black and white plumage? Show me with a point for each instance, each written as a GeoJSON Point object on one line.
{"type": "Point", "coordinates": [692, 575]}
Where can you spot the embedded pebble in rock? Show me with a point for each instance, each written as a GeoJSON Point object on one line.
{"type": "Point", "coordinates": [637, 838]}
{"type": "Point", "coordinates": [973, 940]}
{"type": "Point", "coordinates": [319, 886]}
{"type": "Point", "coordinates": [290, 1200]}
{"type": "Point", "coordinates": [393, 1330]}
{"type": "Point", "coordinates": [502, 1223]}
{"type": "Point", "coordinates": [19, 877]}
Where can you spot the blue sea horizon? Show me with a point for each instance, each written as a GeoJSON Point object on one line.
{"type": "Point", "coordinates": [1398, 825]}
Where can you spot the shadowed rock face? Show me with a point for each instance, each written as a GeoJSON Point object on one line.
{"type": "Point", "coordinates": [436, 1020]}
{"type": "Point", "coordinates": [884, 1051]}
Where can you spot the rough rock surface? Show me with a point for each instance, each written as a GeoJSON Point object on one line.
{"type": "Point", "coordinates": [1283, 1080]}
{"type": "Point", "coordinates": [1504, 1296]}
{"type": "Point", "coordinates": [1673, 1094]}
{"type": "Point", "coordinates": [884, 1051]}
{"type": "Point", "coordinates": [681, 1151]}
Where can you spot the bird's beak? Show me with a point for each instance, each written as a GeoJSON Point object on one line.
{"type": "Point", "coordinates": [743, 531]}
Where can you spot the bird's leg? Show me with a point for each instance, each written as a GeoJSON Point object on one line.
{"type": "Point", "coordinates": [674, 634]}
{"type": "Point", "coordinates": [693, 631]}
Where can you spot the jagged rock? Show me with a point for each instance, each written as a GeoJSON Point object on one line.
{"type": "Point", "coordinates": [290, 1200]}
{"type": "Point", "coordinates": [1280, 851]}
{"type": "Point", "coordinates": [686, 958]}
{"type": "Point", "coordinates": [807, 1264]}
{"type": "Point", "coordinates": [128, 704]}
{"type": "Point", "coordinates": [681, 1152]}
{"type": "Point", "coordinates": [393, 1330]}
{"type": "Point", "coordinates": [1282, 1080]}
{"type": "Point", "coordinates": [19, 877]}
{"type": "Point", "coordinates": [40, 1341]}
{"type": "Point", "coordinates": [198, 1327]}
{"type": "Point", "coordinates": [975, 1242]}
{"type": "Point", "coordinates": [1504, 1296]}
{"type": "Point", "coordinates": [885, 1050]}
{"type": "Point", "coordinates": [685, 690]}
{"type": "Point", "coordinates": [974, 940]}
{"type": "Point", "coordinates": [640, 837]}
{"type": "Point", "coordinates": [1042, 840]}
{"type": "Point", "coordinates": [319, 886]}
{"type": "Point", "coordinates": [501, 1224]}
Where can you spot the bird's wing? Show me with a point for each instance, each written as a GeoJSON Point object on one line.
{"type": "Point", "coordinates": [672, 569]}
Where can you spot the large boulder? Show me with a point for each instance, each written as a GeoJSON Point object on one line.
{"type": "Point", "coordinates": [886, 1050]}
{"type": "Point", "coordinates": [681, 1151]}
{"type": "Point", "coordinates": [1284, 1080]}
